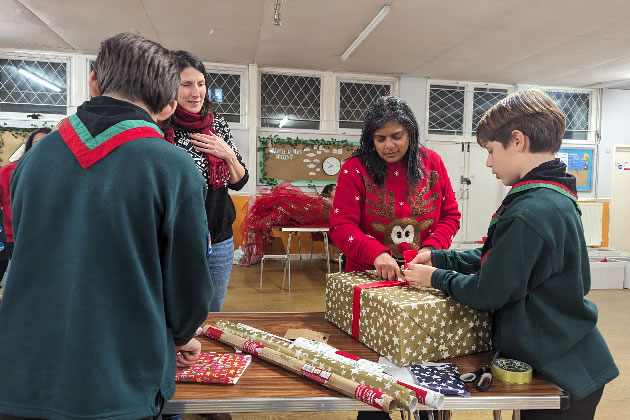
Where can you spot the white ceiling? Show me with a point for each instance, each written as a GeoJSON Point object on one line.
{"type": "Point", "coordinates": [576, 43]}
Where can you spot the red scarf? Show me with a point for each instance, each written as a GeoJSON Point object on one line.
{"type": "Point", "coordinates": [218, 173]}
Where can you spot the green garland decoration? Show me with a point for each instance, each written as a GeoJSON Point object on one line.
{"type": "Point", "coordinates": [264, 154]}
{"type": "Point", "coordinates": [17, 132]}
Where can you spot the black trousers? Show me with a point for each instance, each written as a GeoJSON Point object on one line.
{"type": "Point", "coordinates": [583, 409]}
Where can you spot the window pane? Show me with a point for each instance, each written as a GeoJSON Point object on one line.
{"type": "Point", "coordinates": [33, 86]}
{"type": "Point", "coordinates": [483, 100]}
{"type": "Point", "coordinates": [290, 101]}
{"type": "Point", "coordinates": [446, 110]}
{"type": "Point", "coordinates": [224, 90]}
{"type": "Point", "coordinates": [355, 99]}
{"type": "Point", "coordinates": [576, 107]}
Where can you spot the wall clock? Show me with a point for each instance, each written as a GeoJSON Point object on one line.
{"type": "Point", "coordinates": [331, 166]}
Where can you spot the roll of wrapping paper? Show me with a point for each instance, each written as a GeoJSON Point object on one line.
{"type": "Point", "coordinates": [345, 386]}
{"type": "Point", "coordinates": [406, 394]}
{"type": "Point", "coordinates": [512, 371]}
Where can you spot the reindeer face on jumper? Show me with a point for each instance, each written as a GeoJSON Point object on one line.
{"type": "Point", "coordinates": [404, 233]}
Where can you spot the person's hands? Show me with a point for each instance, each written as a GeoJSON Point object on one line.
{"type": "Point", "coordinates": [188, 354]}
{"type": "Point", "coordinates": [419, 275]}
{"type": "Point", "coordinates": [213, 145]}
{"type": "Point", "coordinates": [387, 267]}
{"type": "Point", "coordinates": [423, 257]}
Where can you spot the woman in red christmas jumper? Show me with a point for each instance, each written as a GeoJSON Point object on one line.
{"type": "Point", "coordinates": [392, 195]}
{"type": "Point", "coordinates": [5, 195]}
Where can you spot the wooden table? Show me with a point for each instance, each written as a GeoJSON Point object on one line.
{"type": "Point", "coordinates": [268, 388]}
{"type": "Point", "coordinates": [297, 230]}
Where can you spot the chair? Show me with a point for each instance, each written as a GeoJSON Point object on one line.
{"type": "Point", "coordinates": [282, 257]}
{"type": "Point", "coordinates": [269, 255]}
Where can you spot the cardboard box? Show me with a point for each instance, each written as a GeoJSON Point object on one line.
{"type": "Point", "coordinates": [604, 252]}
{"type": "Point", "coordinates": [404, 323]}
{"type": "Point", "coordinates": [626, 270]}
{"type": "Point", "coordinates": [607, 275]}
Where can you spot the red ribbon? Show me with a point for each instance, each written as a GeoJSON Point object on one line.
{"type": "Point", "coordinates": [356, 300]}
{"type": "Point", "coordinates": [213, 333]}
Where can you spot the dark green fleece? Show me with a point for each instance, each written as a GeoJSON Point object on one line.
{"type": "Point", "coordinates": [534, 279]}
{"type": "Point", "coordinates": [109, 273]}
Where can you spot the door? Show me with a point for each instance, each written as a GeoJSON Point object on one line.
{"type": "Point", "coordinates": [483, 194]}
{"type": "Point", "coordinates": [453, 158]}
{"type": "Point", "coordinates": [619, 227]}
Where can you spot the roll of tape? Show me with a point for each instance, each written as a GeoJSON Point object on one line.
{"type": "Point", "coordinates": [512, 371]}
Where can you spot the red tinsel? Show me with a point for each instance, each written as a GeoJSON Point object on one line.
{"type": "Point", "coordinates": [283, 205]}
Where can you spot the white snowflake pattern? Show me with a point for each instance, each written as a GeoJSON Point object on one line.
{"type": "Point", "coordinates": [350, 239]}
{"type": "Point", "coordinates": [336, 210]}
{"type": "Point", "coordinates": [345, 171]}
{"type": "Point", "coordinates": [396, 173]}
{"type": "Point", "coordinates": [357, 198]}
{"type": "Point", "coordinates": [401, 203]}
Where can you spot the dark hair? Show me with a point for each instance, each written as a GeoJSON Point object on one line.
{"type": "Point", "coordinates": [29, 142]}
{"type": "Point", "coordinates": [137, 69]}
{"type": "Point", "coordinates": [184, 59]}
{"type": "Point", "coordinates": [389, 109]}
{"type": "Point", "coordinates": [327, 190]}
{"type": "Point", "coordinates": [533, 113]}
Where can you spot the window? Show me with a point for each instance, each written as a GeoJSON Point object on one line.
{"type": "Point", "coordinates": [446, 110]}
{"type": "Point", "coordinates": [456, 109]}
{"type": "Point", "coordinates": [290, 101]}
{"type": "Point", "coordinates": [576, 108]}
{"type": "Point", "coordinates": [355, 98]}
{"type": "Point", "coordinates": [483, 99]}
{"type": "Point", "coordinates": [224, 90]}
{"type": "Point", "coordinates": [31, 85]}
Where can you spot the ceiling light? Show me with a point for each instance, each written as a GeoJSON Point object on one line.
{"type": "Point", "coordinates": [377, 19]}
{"type": "Point", "coordinates": [284, 120]}
{"type": "Point", "coordinates": [39, 80]}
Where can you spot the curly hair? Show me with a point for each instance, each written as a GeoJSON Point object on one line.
{"type": "Point", "coordinates": [29, 142]}
{"type": "Point", "coordinates": [390, 109]}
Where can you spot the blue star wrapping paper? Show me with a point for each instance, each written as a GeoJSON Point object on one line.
{"type": "Point", "coordinates": [439, 377]}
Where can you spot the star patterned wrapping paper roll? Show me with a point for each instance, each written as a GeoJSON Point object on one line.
{"type": "Point", "coordinates": [406, 324]}
{"type": "Point", "coordinates": [215, 368]}
{"type": "Point", "coordinates": [407, 398]}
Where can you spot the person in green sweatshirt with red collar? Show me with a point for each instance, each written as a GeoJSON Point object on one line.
{"type": "Point", "coordinates": [533, 269]}
{"type": "Point", "coordinates": [109, 279]}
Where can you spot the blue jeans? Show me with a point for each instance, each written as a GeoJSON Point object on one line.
{"type": "Point", "coordinates": [220, 265]}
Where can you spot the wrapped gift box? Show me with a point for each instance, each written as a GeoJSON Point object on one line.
{"type": "Point", "coordinates": [406, 324]}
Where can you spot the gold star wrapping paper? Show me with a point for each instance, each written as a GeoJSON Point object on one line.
{"type": "Point", "coordinates": [408, 325]}
{"type": "Point", "coordinates": [404, 396]}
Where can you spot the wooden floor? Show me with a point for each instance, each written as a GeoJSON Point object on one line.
{"type": "Point", "coordinates": [308, 283]}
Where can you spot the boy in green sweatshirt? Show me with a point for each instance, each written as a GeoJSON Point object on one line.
{"type": "Point", "coordinates": [533, 270]}
{"type": "Point", "coordinates": [109, 279]}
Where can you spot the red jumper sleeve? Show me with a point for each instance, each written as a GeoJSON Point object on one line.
{"type": "Point", "coordinates": [347, 212]}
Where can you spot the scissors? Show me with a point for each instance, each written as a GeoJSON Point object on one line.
{"type": "Point", "coordinates": [482, 377]}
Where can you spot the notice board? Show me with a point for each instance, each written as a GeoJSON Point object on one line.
{"type": "Point", "coordinates": [302, 160]}
{"type": "Point", "coordinates": [580, 164]}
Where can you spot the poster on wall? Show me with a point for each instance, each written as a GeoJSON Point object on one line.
{"type": "Point", "coordinates": [580, 164]}
{"type": "Point", "coordinates": [301, 160]}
